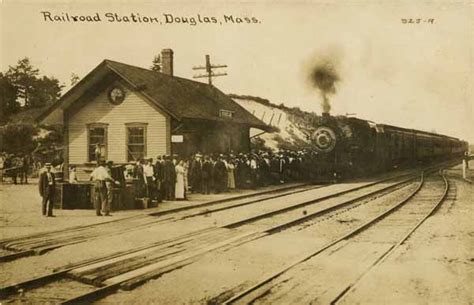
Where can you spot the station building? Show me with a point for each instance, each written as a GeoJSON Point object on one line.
{"type": "Point", "coordinates": [134, 112]}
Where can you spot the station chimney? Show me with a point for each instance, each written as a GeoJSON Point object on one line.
{"type": "Point", "coordinates": [167, 61]}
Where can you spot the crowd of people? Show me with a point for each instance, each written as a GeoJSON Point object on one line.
{"type": "Point", "coordinates": [15, 167]}
{"type": "Point", "coordinates": [172, 178]}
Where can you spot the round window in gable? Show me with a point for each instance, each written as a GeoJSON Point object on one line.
{"type": "Point", "coordinates": [116, 95]}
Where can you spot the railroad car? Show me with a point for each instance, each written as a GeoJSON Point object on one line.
{"type": "Point", "coordinates": [350, 147]}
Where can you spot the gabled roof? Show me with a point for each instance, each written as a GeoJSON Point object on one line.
{"type": "Point", "coordinates": [181, 98]}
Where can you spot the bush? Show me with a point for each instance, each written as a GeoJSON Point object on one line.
{"type": "Point", "coordinates": [257, 144]}
{"type": "Point", "coordinates": [18, 138]}
{"type": "Point", "coordinates": [44, 143]}
{"type": "Point", "coordinates": [49, 146]}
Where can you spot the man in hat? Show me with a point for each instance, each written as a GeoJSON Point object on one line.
{"type": "Point", "coordinates": [47, 186]}
{"type": "Point", "coordinates": [100, 176]}
{"type": "Point", "coordinates": [169, 178]}
{"type": "Point", "coordinates": [220, 175]}
{"type": "Point", "coordinates": [158, 171]}
{"type": "Point", "coordinates": [207, 168]}
{"type": "Point", "coordinates": [139, 174]}
{"type": "Point", "coordinates": [195, 173]}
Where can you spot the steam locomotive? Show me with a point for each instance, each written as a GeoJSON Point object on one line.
{"type": "Point", "coordinates": [353, 147]}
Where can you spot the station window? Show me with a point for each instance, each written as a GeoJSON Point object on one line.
{"type": "Point", "coordinates": [136, 141]}
{"type": "Point", "coordinates": [226, 114]}
{"type": "Point", "coordinates": [97, 138]}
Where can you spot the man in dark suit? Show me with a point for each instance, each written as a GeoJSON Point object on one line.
{"type": "Point", "coordinates": [195, 174]}
{"type": "Point", "coordinates": [140, 176]}
{"type": "Point", "coordinates": [220, 175]}
{"type": "Point", "coordinates": [169, 178]}
{"type": "Point", "coordinates": [159, 178]}
{"type": "Point", "coordinates": [206, 175]}
{"type": "Point", "coordinates": [47, 186]}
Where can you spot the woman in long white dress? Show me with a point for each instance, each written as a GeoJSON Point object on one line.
{"type": "Point", "coordinates": [179, 186]}
{"type": "Point", "coordinates": [230, 175]}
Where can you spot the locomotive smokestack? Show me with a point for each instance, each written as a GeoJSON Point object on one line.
{"type": "Point", "coordinates": [325, 117]}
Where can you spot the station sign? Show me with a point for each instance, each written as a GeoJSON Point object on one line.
{"type": "Point", "coordinates": [177, 138]}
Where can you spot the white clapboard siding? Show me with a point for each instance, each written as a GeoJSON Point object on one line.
{"type": "Point", "coordinates": [132, 110]}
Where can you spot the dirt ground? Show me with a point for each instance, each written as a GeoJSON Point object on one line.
{"type": "Point", "coordinates": [435, 266]}
{"type": "Point", "coordinates": [20, 207]}
{"type": "Point", "coordinates": [20, 210]}
{"type": "Point", "coordinates": [216, 275]}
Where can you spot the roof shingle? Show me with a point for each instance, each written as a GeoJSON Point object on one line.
{"type": "Point", "coordinates": [182, 97]}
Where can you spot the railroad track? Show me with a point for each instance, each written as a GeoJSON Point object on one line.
{"type": "Point", "coordinates": [41, 243]}
{"type": "Point", "coordinates": [128, 269]}
{"type": "Point", "coordinates": [382, 234]}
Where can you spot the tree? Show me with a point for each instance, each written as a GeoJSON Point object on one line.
{"type": "Point", "coordinates": [156, 64]}
{"type": "Point", "coordinates": [8, 98]}
{"type": "Point", "coordinates": [49, 144]}
{"type": "Point", "coordinates": [258, 144]}
{"type": "Point", "coordinates": [43, 143]}
{"type": "Point", "coordinates": [23, 77]}
{"type": "Point", "coordinates": [33, 91]}
{"type": "Point", "coordinates": [18, 137]}
{"type": "Point", "coordinates": [46, 91]}
{"type": "Point", "coordinates": [74, 79]}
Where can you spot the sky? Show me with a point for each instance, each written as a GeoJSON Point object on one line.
{"type": "Point", "coordinates": [413, 75]}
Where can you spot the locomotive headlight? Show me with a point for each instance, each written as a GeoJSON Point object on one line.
{"type": "Point", "coordinates": [325, 139]}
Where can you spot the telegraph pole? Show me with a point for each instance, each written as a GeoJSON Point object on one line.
{"type": "Point", "coordinates": [209, 73]}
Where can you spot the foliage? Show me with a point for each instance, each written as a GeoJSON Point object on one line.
{"type": "Point", "coordinates": [74, 79]}
{"type": "Point", "coordinates": [23, 77]}
{"type": "Point", "coordinates": [156, 64]}
{"type": "Point", "coordinates": [18, 137]}
{"type": "Point", "coordinates": [294, 145]}
{"type": "Point", "coordinates": [257, 99]}
{"type": "Point", "coordinates": [8, 103]}
{"type": "Point", "coordinates": [44, 143]}
{"type": "Point", "coordinates": [46, 91]}
{"type": "Point", "coordinates": [22, 88]}
{"type": "Point", "coordinates": [49, 145]}
{"type": "Point", "coordinates": [258, 144]}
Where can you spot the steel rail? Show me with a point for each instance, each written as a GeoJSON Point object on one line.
{"type": "Point", "coordinates": [312, 201]}
{"type": "Point", "coordinates": [159, 213]}
{"type": "Point", "coordinates": [393, 248]}
{"type": "Point", "coordinates": [210, 230]}
{"type": "Point", "coordinates": [189, 237]}
{"type": "Point", "coordinates": [172, 211]}
{"type": "Point", "coordinates": [8, 243]}
{"type": "Point", "coordinates": [326, 246]}
{"type": "Point", "coordinates": [110, 288]}
{"type": "Point", "coordinates": [261, 233]}
{"type": "Point", "coordinates": [187, 259]}
{"type": "Point", "coordinates": [67, 237]}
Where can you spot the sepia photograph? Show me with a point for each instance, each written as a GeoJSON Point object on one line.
{"type": "Point", "coordinates": [237, 152]}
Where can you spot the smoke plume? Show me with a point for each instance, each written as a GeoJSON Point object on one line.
{"type": "Point", "coordinates": [324, 77]}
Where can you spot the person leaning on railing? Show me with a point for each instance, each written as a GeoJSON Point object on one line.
{"type": "Point", "coordinates": [100, 176]}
